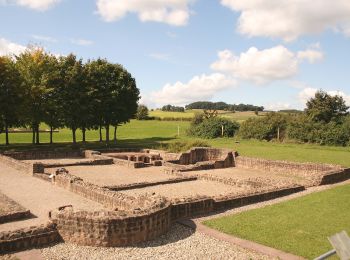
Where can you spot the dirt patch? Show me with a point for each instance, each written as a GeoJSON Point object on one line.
{"type": "Point", "coordinates": [113, 175]}
{"type": "Point", "coordinates": [189, 189]}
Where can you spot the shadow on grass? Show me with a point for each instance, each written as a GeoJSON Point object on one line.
{"type": "Point", "coordinates": [153, 142]}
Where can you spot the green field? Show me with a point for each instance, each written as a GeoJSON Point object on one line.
{"type": "Point", "coordinates": [237, 116]}
{"type": "Point", "coordinates": [299, 226]}
{"type": "Point", "coordinates": [153, 133]}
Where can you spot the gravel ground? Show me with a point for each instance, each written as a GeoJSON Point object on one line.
{"type": "Point", "coordinates": [116, 175]}
{"type": "Point", "coordinates": [179, 243]}
{"type": "Point", "coordinates": [38, 196]}
{"type": "Point", "coordinates": [189, 189]}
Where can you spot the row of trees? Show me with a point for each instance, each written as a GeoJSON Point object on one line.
{"type": "Point", "coordinates": [37, 87]}
{"type": "Point", "coordinates": [325, 120]}
{"type": "Point", "coordinates": [171, 108]}
{"type": "Point", "coordinates": [223, 106]}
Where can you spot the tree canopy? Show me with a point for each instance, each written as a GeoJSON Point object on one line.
{"type": "Point", "coordinates": [37, 87]}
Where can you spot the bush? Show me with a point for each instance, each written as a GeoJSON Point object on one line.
{"type": "Point", "coordinates": [142, 113]}
{"type": "Point", "coordinates": [183, 146]}
{"type": "Point", "coordinates": [266, 128]}
{"type": "Point", "coordinates": [212, 128]}
{"type": "Point", "coordinates": [305, 130]}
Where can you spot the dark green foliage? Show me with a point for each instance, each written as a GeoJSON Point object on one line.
{"type": "Point", "coordinates": [273, 126]}
{"type": "Point", "coordinates": [325, 108]}
{"type": "Point", "coordinates": [212, 128]}
{"type": "Point", "coordinates": [142, 113]}
{"type": "Point", "coordinates": [12, 95]}
{"type": "Point", "coordinates": [305, 130]}
{"type": "Point", "coordinates": [223, 106]}
{"type": "Point", "coordinates": [197, 119]}
{"type": "Point", "coordinates": [171, 108]}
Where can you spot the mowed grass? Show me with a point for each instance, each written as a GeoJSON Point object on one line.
{"type": "Point", "coordinates": [299, 226]}
{"type": "Point", "coordinates": [153, 133]}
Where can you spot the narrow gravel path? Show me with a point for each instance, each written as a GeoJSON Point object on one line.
{"type": "Point", "coordinates": [38, 196]}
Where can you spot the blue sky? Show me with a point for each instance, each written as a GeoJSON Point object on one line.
{"type": "Point", "coordinates": [274, 53]}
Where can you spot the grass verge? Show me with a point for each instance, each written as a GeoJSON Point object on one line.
{"type": "Point", "coordinates": [299, 226]}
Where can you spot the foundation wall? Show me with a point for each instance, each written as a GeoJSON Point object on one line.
{"type": "Point", "coordinates": [111, 229]}
{"type": "Point", "coordinates": [37, 155]}
{"type": "Point", "coordinates": [28, 238]}
{"type": "Point", "coordinates": [109, 199]}
{"type": "Point", "coordinates": [282, 166]}
{"type": "Point", "coordinates": [21, 166]}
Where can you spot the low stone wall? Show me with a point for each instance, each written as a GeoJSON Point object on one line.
{"type": "Point", "coordinates": [283, 166]}
{"type": "Point", "coordinates": [10, 210]}
{"type": "Point", "coordinates": [127, 163]}
{"type": "Point", "coordinates": [21, 166]}
{"type": "Point", "coordinates": [235, 202]}
{"type": "Point", "coordinates": [37, 155]}
{"type": "Point", "coordinates": [202, 154]}
{"type": "Point", "coordinates": [109, 199]}
{"type": "Point", "coordinates": [112, 228]}
{"type": "Point", "coordinates": [148, 184]}
{"type": "Point", "coordinates": [27, 238]}
{"type": "Point", "coordinates": [334, 177]}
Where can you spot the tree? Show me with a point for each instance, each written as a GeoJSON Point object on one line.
{"type": "Point", "coordinates": [325, 108]}
{"type": "Point", "coordinates": [37, 69]}
{"type": "Point", "coordinates": [125, 96]}
{"type": "Point", "coordinates": [73, 95]}
{"type": "Point", "coordinates": [11, 95]}
{"type": "Point", "coordinates": [114, 94]}
{"type": "Point", "coordinates": [142, 112]}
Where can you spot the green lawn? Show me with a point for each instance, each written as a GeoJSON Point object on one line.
{"type": "Point", "coordinates": [299, 226]}
{"type": "Point", "coordinates": [152, 133]}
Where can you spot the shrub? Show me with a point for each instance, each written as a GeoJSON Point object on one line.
{"type": "Point", "coordinates": [197, 119]}
{"type": "Point", "coordinates": [212, 128]}
{"type": "Point", "coordinates": [266, 128]}
{"type": "Point", "coordinates": [142, 113]}
{"type": "Point", "coordinates": [183, 146]}
{"type": "Point", "coordinates": [332, 133]}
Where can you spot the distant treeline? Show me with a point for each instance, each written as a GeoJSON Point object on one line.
{"type": "Point", "coordinates": [223, 106]}
{"type": "Point", "coordinates": [171, 108]}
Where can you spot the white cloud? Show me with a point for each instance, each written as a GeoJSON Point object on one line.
{"type": "Point", "coordinates": [10, 48]}
{"type": "Point", "coordinates": [202, 87]}
{"type": "Point", "coordinates": [173, 12]}
{"type": "Point", "coordinates": [310, 92]}
{"type": "Point", "coordinates": [39, 5]}
{"type": "Point", "coordinates": [310, 55]}
{"type": "Point", "coordinates": [82, 42]}
{"type": "Point", "coordinates": [263, 66]}
{"type": "Point", "coordinates": [289, 19]}
{"type": "Point", "coordinates": [44, 38]}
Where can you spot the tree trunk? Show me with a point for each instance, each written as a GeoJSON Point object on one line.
{"type": "Point", "coordinates": [101, 133]}
{"type": "Point", "coordinates": [107, 134]}
{"type": "Point", "coordinates": [51, 131]}
{"type": "Point", "coordinates": [115, 134]}
{"type": "Point", "coordinates": [33, 130]}
{"type": "Point", "coordinates": [83, 130]}
{"type": "Point", "coordinates": [74, 136]}
{"type": "Point", "coordinates": [7, 134]}
{"type": "Point", "coordinates": [37, 134]}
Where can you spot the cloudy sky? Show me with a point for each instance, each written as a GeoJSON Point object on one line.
{"type": "Point", "coordinates": [274, 53]}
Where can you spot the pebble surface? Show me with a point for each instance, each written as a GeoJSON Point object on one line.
{"type": "Point", "coordinates": [179, 243]}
